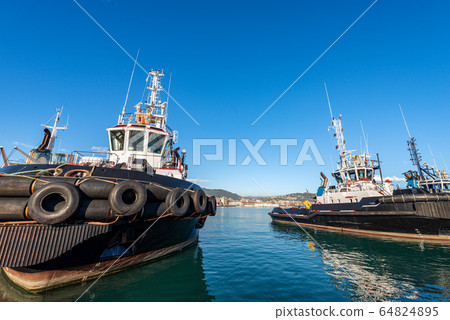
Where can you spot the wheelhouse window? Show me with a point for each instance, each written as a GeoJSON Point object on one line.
{"type": "Point", "coordinates": [447, 186]}
{"type": "Point", "coordinates": [136, 141]}
{"type": "Point", "coordinates": [155, 142]}
{"type": "Point", "coordinates": [166, 149]}
{"type": "Point", "coordinates": [117, 140]}
{"type": "Point", "coordinates": [338, 177]}
{"type": "Point", "coordinates": [361, 174]}
{"type": "Point", "coordinates": [59, 158]}
{"type": "Point", "coordinates": [369, 174]}
{"type": "Point", "coordinates": [352, 174]}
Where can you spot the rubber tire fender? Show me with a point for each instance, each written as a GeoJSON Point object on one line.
{"type": "Point", "coordinates": [178, 202]}
{"type": "Point", "coordinates": [199, 200]}
{"type": "Point", "coordinates": [212, 205]}
{"type": "Point", "coordinates": [37, 208]}
{"type": "Point", "coordinates": [120, 206]}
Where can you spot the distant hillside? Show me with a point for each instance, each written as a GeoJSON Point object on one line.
{"type": "Point", "coordinates": [291, 197]}
{"type": "Point", "coordinates": [219, 193]}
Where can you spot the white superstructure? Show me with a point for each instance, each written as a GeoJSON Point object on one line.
{"type": "Point", "coordinates": [355, 175]}
{"type": "Point", "coordinates": [143, 139]}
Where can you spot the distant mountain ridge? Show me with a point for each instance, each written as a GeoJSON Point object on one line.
{"type": "Point", "coordinates": [221, 193]}
{"type": "Point", "coordinates": [298, 196]}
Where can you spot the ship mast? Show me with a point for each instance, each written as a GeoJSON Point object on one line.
{"type": "Point", "coordinates": [416, 157]}
{"type": "Point", "coordinates": [155, 109]}
{"type": "Point", "coordinates": [54, 129]}
{"type": "Point", "coordinates": [344, 155]}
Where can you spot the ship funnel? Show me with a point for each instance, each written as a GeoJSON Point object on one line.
{"type": "Point", "coordinates": [325, 180]}
{"type": "Point", "coordinates": [45, 140]}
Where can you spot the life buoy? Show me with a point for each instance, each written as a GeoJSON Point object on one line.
{"type": "Point", "coordinates": [54, 203]}
{"type": "Point", "coordinates": [127, 198]}
{"type": "Point", "coordinates": [349, 183]}
{"type": "Point", "coordinates": [178, 202]}
{"type": "Point", "coordinates": [199, 200]}
{"type": "Point", "coordinates": [212, 205]}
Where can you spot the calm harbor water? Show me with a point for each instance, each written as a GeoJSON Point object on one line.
{"type": "Point", "coordinates": [243, 256]}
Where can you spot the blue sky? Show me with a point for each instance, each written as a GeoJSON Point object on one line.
{"type": "Point", "coordinates": [229, 61]}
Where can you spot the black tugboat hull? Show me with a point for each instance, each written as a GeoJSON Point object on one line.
{"type": "Point", "coordinates": [38, 281]}
{"type": "Point", "coordinates": [90, 259]}
{"type": "Point", "coordinates": [424, 217]}
{"type": "Point", "coordinates": [94, 241]}
{"type": "Point", "coordinates": [397, 226]}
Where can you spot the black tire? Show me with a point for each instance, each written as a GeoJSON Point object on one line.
{"type": "Point", "coordinates": [127, 198]}
{"type": "Point", "coordinates": [97, 210]}
{"type": "Point", "coordinates": [13, 209]}
{"type": "Point", "coordinates": [199, 200]}
{"type": "Point", "coordinates": [96, 189]}
{"type": "Point", "coordinates": [178, 202]}
{"type": "Point", "coordinates": [15, 186]}
{"type": "Point", "coordinates": [212, 206]}
{"type": "Point", "coordinates": [54, 203]}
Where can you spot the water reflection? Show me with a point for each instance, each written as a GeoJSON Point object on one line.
{"type": "Point", "coordinates": [378, 268]}
{"type": "Point", "coordinates": [179, 277]}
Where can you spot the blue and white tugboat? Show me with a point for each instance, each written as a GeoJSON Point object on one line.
{"type": "Point", "coordinates": [358, 204]}
{"type": "Point", "coordinates": [66, 218]}
{"type": "Point", "coordinates": [425, 177]}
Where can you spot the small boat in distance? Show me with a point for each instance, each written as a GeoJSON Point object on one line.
{"type": "Point", "coordinates": [74, 217]}
{"type": "Point", "coordinates": [357, 204]}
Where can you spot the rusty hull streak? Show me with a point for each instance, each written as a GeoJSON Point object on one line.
{"type": "Point", "coordinates": [46, 280]}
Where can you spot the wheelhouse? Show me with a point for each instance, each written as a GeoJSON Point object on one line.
{"type": "Point", "coordinates": [435, 186]}
{"type": "Point", "coordinates": [133, 143]}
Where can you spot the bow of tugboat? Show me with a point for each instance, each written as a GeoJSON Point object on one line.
{"type": "Point", "coordinates": [66, 218]}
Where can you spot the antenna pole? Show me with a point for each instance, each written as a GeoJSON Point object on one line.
{"type": "Point", "coordinates": [331, 161]}
{"type": "Point", "coordinates": [129, 86]}
{"type": "Point", "coordinates": [432, 156]}
{"type": "Point", "coordinates": [328, 99]}
{"type": "Point", "coordinates": [364, 135]}
{"type": "Point", "coordinates": [168, 94]}
{"type": "Point", "coordinates": [406, 125]}
{"type": "Point", "coordinates": [379, 167]}
{"type": "Point", "coordinates": [445, 163]}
